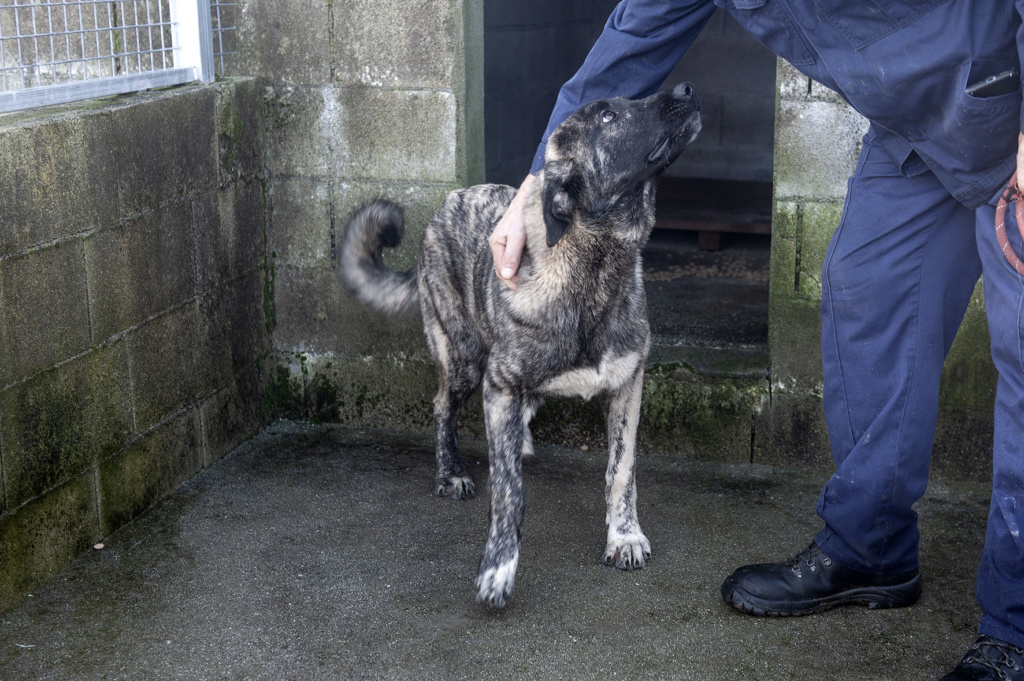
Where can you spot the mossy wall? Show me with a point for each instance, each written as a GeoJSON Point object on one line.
{"type": "Point", "coordinates": [364, 98]}
{"type": "Point", "coordinates": [132, 270]}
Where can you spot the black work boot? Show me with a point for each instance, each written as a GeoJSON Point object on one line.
{"type": "Point", "coordinates": [812, 582]}
{"type": "Point", "coordinates": [989, 659]}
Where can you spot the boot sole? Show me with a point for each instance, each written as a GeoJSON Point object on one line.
{"type": "Point", "coordinates": [874, 597]}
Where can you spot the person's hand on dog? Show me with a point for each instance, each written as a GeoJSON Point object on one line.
{"type": "Point", "coordinates": [508, 239]}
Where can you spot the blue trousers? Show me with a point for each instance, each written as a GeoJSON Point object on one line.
{"type": "Point", "coordinates": [897, 278]}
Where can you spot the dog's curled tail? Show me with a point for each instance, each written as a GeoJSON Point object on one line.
{"type": "Point", "coordinates": [361, 266]}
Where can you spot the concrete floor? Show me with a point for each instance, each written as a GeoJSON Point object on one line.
{"type": "Point", "coordinates": [320, 553]}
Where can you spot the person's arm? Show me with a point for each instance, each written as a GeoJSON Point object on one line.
{"type": "Point", "coordinates": [641, 43]}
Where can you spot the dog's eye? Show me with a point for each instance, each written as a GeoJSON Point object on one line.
{"type": "Point", "coordinates": [607, 116]}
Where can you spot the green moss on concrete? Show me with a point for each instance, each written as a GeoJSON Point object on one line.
{"type": "Point", "coordinates": [701, 416]}
{"type": "Point", "coordinates": [52, 439]}
{"type": "Point", "coordinates": [969, 377]}
{"type": "Point", "coordinates": [963, 439]}
{"type": "Point", "coordinates": [244, 323]}
{"type": "Point", "coordinates": [727, 363]}
{"type": "Point", "coordinates": [229, 135]}
{"type": "Point", "coordinates": [316, 316]}
{"type": "Point", "coordinates": [379, 392]}
{"type": "Point", "coordinates": [375, 392]}
{"type": "Point", "coordinates": [784, 259]}
{"type": "Point", "coordinates": [134, 479]}
{"type": "Point", "coordinates": [304, 211]}
{"type": "Point", "coordinates": [57, 177]}
{"type": "Point", "coordinates": [681, 411]}
{"type": "Point", "coordinates": [786, 220]}
{"type": "Point", "coordinates": [239, 109]}
{"type": "Point", "coordinates": [470, 90]}
{"type": "Point", "coordinates": [794, 342]}
{"type": "Point", "coordinates": [283, 398]}
{"type": "Point", "coordinates": [63, 421]}
{"type": "Point", "coordinates": [42, 537]}
{"type": "Point", "coordinates": [230, 416]}
{"type": "Point", "coordinates": [176, 359]}
{"type": "Point", "coordinates": [45, 309]}
{"type": "Point", "coordinates": [140, 268]}
{"type": "Point", "coordinates": [295, 393]}
{"type": "Point", "coordinates": [818, 222]}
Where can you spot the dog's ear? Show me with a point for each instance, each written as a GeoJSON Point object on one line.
{"type": "Point", "coordinates": [560, 196]}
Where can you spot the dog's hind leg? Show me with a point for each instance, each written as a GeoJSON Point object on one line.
{"type": "Point", "coordinates": [503, 411]}
{"type": "Point", "coordinates": [627, 546]}
{"type": "Point", "coordinates": [453, 479]}
{"type": "Point", "coordinates": [457, 376]}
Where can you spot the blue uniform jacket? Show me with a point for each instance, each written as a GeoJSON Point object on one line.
{"type": "Point", "coordinates": [903, 64]}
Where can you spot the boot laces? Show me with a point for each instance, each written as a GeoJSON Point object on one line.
{"type": "Point", "coordinates": [996, 655]}
{"type": "Point", "coordinates": [809, 557]}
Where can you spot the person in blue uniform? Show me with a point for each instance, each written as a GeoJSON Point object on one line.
{"type": "Point", "coordinates": [916, 233]}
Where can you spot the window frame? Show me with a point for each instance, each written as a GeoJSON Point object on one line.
{"type": "Point", "coordinates": [192, 45]}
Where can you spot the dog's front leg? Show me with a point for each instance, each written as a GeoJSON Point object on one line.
{"type": "Point", "coordinates": [503, 413]}
{"type": "Point", "coordinates": [627, 546]}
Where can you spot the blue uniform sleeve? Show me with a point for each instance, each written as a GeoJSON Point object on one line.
{"type": "Point", "coordinates": [640, 45]}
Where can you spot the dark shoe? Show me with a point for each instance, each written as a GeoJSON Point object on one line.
{"type": "Point", "coordinates": [812, 582]}
{"type": "Point", "coordinates": [989, 659]}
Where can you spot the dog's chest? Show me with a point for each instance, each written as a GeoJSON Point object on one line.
{"type": "Point", "coordinates": [586, 382]}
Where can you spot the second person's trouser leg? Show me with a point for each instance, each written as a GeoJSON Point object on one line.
{"type": "Point", "coordinates": [896, 281]}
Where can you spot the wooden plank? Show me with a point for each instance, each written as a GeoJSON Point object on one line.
{"type": "Point", "coordinates": [709, 205]}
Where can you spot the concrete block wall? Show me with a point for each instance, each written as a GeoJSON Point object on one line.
{"type": "Point", "coordinates": [817, 142]}
{"type": "Point", "coordinates": [132, 274]}
{"type": "Point", "coordinates": [364, 98]}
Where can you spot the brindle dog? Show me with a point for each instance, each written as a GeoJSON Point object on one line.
{"type": "Point", "coordinates": [575, 326]}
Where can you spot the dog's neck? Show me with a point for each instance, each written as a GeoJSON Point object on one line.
{"type": "Point", "coordinates": [568, 267]}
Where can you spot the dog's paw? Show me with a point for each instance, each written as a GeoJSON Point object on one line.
{"type": "Point", "coordinates": [455, 487]}
{"type": "Point", "coordinates": [494, 584]}
{"type": "Point", "coordinates": [627, 552]}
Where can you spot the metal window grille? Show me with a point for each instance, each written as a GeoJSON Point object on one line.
{"type": "Point", "coordinates": [224, 46]}
{"type": "Point", "coordinates": [54, 51]}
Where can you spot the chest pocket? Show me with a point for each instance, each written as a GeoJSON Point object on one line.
{"type": "Point", "coordinates": [767, 21]}
{"type": "Point", "coordinates": [863, 22]}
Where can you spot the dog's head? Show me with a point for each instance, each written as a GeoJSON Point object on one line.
{"type": "Point", "coordinates": [609, 150]}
